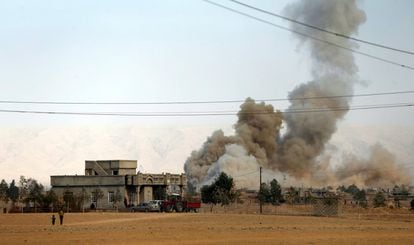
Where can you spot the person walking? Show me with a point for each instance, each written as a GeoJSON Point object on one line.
{"type": "Point", "coordinates": [61, 216]}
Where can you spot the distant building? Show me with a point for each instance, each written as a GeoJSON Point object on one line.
{"type": "Point", "coordinates": [117, 180]}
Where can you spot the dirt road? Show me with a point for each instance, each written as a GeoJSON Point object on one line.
{"type": "Point", "coordinates": [203, 228]}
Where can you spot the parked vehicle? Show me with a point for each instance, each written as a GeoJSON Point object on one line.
{"type": "Point", "coordinates": [142, 207]}
{"type": "Point", "coordinates": [176, 203]}
{"type": "Point", "coordinates": [155, 205]}
{"type": "Point", "coordinates": [151, 206]}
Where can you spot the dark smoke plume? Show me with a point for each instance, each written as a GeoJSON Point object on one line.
{"type": "Point", "coordinates": [257, 132]}
{"type": "Point", "coordinates": [258, 142]}
{"type": "Point", "coordinates": [334, 73]}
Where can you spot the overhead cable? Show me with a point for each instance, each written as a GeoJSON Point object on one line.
{"type": "Point", "coordinates": [203, 102]}
{"type": "Point", "coordinates": [200, 114]}
{"type": "Point", "coordinates": [322, 29]}
{"type": "Point", "coordinates": [311, 37]}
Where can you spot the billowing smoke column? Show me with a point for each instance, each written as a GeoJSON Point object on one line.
{"type": "Point", "coordinates": [257, 140]}
{"type": "Point", "coordinates": [255, 144]}
{"type": "Point", "coordinates": [334, 73]}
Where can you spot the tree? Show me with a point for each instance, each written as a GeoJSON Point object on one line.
{"type": "Point", "coordinates": [341, 188]}
{"type": "Point", "coordinates": [275, 192]}
{"type": "Point", "coordinates": [220, 191]}
{"type": "Point", "coordinates": [80, 198]}
{"type": "Point", "coordinates": [207, 194]}
{"type": "Point", "coordinates": [3, 191]}
{"type": "Point", "coordinates": [294, 196]}
{"type": "Point", "coordinates": [264, 193]}
{"type": "Point", "coordinates": [34, 192]}
{"type": "Point", "coordinates": [23, 188]}
{"type": "Point", "coordinates": [352, 189]}
{"type": "Point", "coordinates": [13, 192]}
{"type": "Point", "coordinates": [49, 199]}
{"type": "Point", "coordinates": [97, 194]}
{"type": "Point", "coordinates": [379, 200]}
{"type": "Point", "coordinates": [117, 198]}
{"type": "Point", "coordinates": [225, 189]}
{"type": "Point", "coordinates": [361, 198]}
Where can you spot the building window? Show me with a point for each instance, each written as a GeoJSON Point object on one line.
{"type": "Point", "coordinates": [111, 197]}
{"type": "Point", "coordinates": [93, 197]}
{"type": "Point", "coordinates": [115, 172]}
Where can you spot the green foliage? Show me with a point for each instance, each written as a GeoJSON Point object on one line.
{"type": "Point", "coordinates": [208, 194]}
{"type": "Point", "coordinates": [352, 189]}
{"type": "Point", "coordinates": [275, 192]}
{"type": "Point", "coordinates": [293, 196]}
{"type": "Point", "coordinates": [272, 194]}
{"type": "Point", "coordinates": [341, 188]}
{"type": "Point", "coordinates": [379, 200]}
{"type": "Point", "coordinates": [3, 191]}
{"type": "Point", "coordinates": [220, 191]}
{"type": "Point", "coordinates": [264, 193]}
{"type": "Point", "coordinates": [23, 188]}
{"type": "Point", "coordinates": [49, 199]}
{"type": "Point", "coordinates": [358, 195]}
{"type": "Point", "coordinates": [361, 198]}
{"type": "Point", "coordinates": [34, 192]}
{"type": "Point", "coordinates": [13, 192]}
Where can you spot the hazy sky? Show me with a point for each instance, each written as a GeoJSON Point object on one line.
{"type": "Point", "coordinates": [148, 51]}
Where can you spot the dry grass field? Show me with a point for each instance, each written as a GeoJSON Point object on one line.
{"type": "Point", "coordinates": [369, 227]}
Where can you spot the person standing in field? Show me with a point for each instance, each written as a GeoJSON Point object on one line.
{"type": "Point", "coordinates": [53, 219]}
{"type": "Point", "coordinates": [61, 216]}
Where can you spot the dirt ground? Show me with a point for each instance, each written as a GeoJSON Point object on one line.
{"type": "Point", "coordinates": [207, 228]}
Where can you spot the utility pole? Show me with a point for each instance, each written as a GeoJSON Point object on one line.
{"type": "Point", "coordinates": [260, 190]}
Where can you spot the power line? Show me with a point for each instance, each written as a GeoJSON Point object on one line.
{"type": "Point", "coordinates": [245, 174]}
{"type": "Point", "coordinates": [199, 114]}
{"type": "Point", "coordinates": [202, 102]}
{"type": "Point", "coordinates": [365, 170]}
{"type": "Point", "coordinates": [321, 29]}
{"type": "Point", "coordinates": [311, 37]}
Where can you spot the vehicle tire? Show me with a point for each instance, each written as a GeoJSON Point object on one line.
{"type": "Point", "coordinates": [169, 209]}
{"type": "Point", "coordinates": [178, 207]}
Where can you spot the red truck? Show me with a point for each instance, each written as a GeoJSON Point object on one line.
{"type": "Point", "coordinates": [176, 203]}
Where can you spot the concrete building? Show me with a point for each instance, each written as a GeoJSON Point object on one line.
{"type": "Point", "coordinates": [116, 182]}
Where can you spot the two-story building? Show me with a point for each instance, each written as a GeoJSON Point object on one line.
{"type": "Point", "coordinates": [111, 182]}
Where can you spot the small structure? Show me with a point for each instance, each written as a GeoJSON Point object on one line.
{"type": "Point", "coordinates": [111, 183]}
{"type": "Point", "coordinates": [327, 206]}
